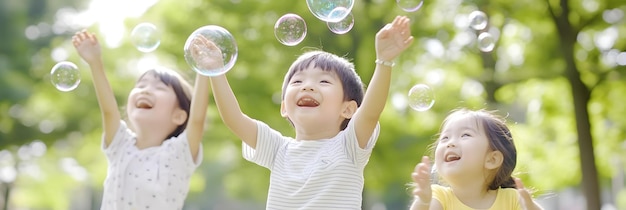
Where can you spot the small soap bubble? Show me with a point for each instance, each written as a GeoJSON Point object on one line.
{"type": "Point", "coordinates": [478, 20]}
{"type": "Point", "coordinates": [145, 37]}
{"type": "Point", "coordinates": [421, 97]}
{"type": "Point", "coordinates": [342, 26]}
{"type": "Point", "coordinates": [325, 9]}
{"type": "Point", "coordinates": [486, 42]}
{"type": "Point", "coordinates": [223, 39]}
{"type": "Point", "coordinates": [290, 29]}
{"type": "Point", "coordinates": [65, 76]}
{"type": "Point", "coordinates": [410, 5]}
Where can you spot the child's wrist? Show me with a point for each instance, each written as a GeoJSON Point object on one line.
{"type": "Point", "coordinates": [384, 62]}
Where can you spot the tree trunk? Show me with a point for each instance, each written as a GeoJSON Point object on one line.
{"type": "Point", "coordinates": [581, 95]}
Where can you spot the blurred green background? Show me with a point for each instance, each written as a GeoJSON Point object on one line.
{"type": "Point", "coordinates": [557, 73]}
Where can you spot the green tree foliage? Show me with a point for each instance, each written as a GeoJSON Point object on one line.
{"type": "Point", "coordinates": [528, 77]}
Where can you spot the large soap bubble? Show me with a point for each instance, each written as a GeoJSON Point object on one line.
{"type": "Point", "coordinates": [290, 29]}
{"type": "Point", "coordinates": [478, 20]}
{"type": "Point", "coordinates": [222, 39]}
{"type": "Point", "coordinates": [65, 76]}
{"type": "Point", "coordinates": [342, 26]}
{"type": "Point", "coordinates": [326, 10]}
{"type": "Point", "coordinates": [410, 5]}
{"type": "Point", "coordinates": [145, 37]}
{"type": "Point", "coordinates": [421, 97]}
{"type": "Point", "coordinates": [486, 42]}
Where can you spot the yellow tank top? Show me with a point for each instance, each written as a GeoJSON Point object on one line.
{"type": "Point", "coordinates": [506, 199]}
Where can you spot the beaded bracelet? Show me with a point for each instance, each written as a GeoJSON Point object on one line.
{"type": "Point", "coordinates": [385, 63]}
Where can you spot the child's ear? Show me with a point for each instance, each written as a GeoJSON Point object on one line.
{"type": "Point", "coordinates": [283, 111]}
{"type": "Point", "coordinates": [349, 108]}
{"type": "Point", "coordinates": [179, 116]}
{"type": "Point", "coordinates": [494, 159]}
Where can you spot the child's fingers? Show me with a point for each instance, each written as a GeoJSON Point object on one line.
{"type": "Point", "coordinates": [196, 50]}
{"type": "Point", "coordinates": [399, 21]}
{"type": "Point", "coordinates": [522, 191]}
{"type": "Point", "coordinates": [78, 38]}
{"type": "Point", "coordinates": [426, 160]}
{"type": "Point", "coordinates": [208, 43]}
{"type": "Point", "coordinates": [421, 178]}
{"type": "Point", "coordinates": [82, 36]}
{"type": "Point", "coordinates": [94, 38]}
{"type": "Point", "coordinates": [204, 42]}
{"type": "Point", "coordinates": [408, 41]}
{"type": "Point", "coordinates": [421, 172]}
{"type": "Point", "coordinates": [526, 199]}
{"type": "Point", "coordinates": [75, 41]}
{"type": "Point", "coordinates": [518, 183]}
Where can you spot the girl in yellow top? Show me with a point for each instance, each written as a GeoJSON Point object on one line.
{"type": "Point", "coordinates": [475, 156]}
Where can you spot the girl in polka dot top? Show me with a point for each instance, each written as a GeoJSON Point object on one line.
{"type": "Point", "coordinates": [152, 156]}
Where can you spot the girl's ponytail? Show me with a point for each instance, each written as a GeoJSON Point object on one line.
{"type": "Point", "coordinates": [502, 183]}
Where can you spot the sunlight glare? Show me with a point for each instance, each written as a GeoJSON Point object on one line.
{"type": "Point", "coordinates": [110, 16]}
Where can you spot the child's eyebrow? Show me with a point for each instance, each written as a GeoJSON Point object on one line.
{"type": "Point", "coordinates": [463, 128]}
{"type": "Point", "coordinates": [330, 74]}
{"type": "Point", "coordinates": [472, 129]}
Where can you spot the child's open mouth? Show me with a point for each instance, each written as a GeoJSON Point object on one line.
{"type": "Point", "coordinates": [143, 104]}
{"type": "Point", "coordinates": [307, 102]}
{"type": "Point", "coordinates": [452, 157]}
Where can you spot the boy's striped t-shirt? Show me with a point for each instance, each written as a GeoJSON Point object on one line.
{"type": "Point", "coordinates": [312, 174]}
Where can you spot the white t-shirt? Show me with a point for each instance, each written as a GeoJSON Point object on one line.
{"type": "Point", "coordinates": [150, 178]}
{"type": "Point", "coordinates": [314, 174]}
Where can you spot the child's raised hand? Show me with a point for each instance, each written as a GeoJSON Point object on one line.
{"type": "Point", "coordinates": [421, 178]}
{"type": "Point", "coordinates": [525, 199]}
{"type": "Point", "coordinates": [206, 53]}
{"type": "Point", "coordinates": [87, 46]}
{"type": "Point", "coordinates": [394, 38]}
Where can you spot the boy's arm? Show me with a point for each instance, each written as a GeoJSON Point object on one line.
{"type": "Point", "coordinates": [243, 126]}
{"type": "Point", "coordinates": [391, 40]}
{"type": "Point", "coordinates": [89, 49]}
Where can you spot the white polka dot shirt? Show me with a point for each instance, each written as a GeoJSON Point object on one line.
{"type": "Point", "coordinates": [150, 178]}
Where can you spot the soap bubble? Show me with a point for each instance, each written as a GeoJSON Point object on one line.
{"type": "Point", "coordinates": [145, 37]}
{"type": "Point", "coordinates": [65, 76]}
{"type": "Point", "coordinates": [421, 97]}
{"type": "Point", "coordinates": [222, 39]}
{"type": "Point", "coordinates": [323, 9]}
{"type": "Point", "coordinates": [478, 20]}
{"type": "Point", "coordinates": [342, 26]}
{"type": "Point", "coordinates": [486, 42]}
{"type": "Point", "coordinates": [290, 29]}
{"type": "Point", "coordinates": [410, 5]}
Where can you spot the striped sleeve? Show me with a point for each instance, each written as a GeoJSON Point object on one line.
{"type": "Point", "coordinates": [267, 145]}
{"type": "Point", "coordinates": [359, 155]}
